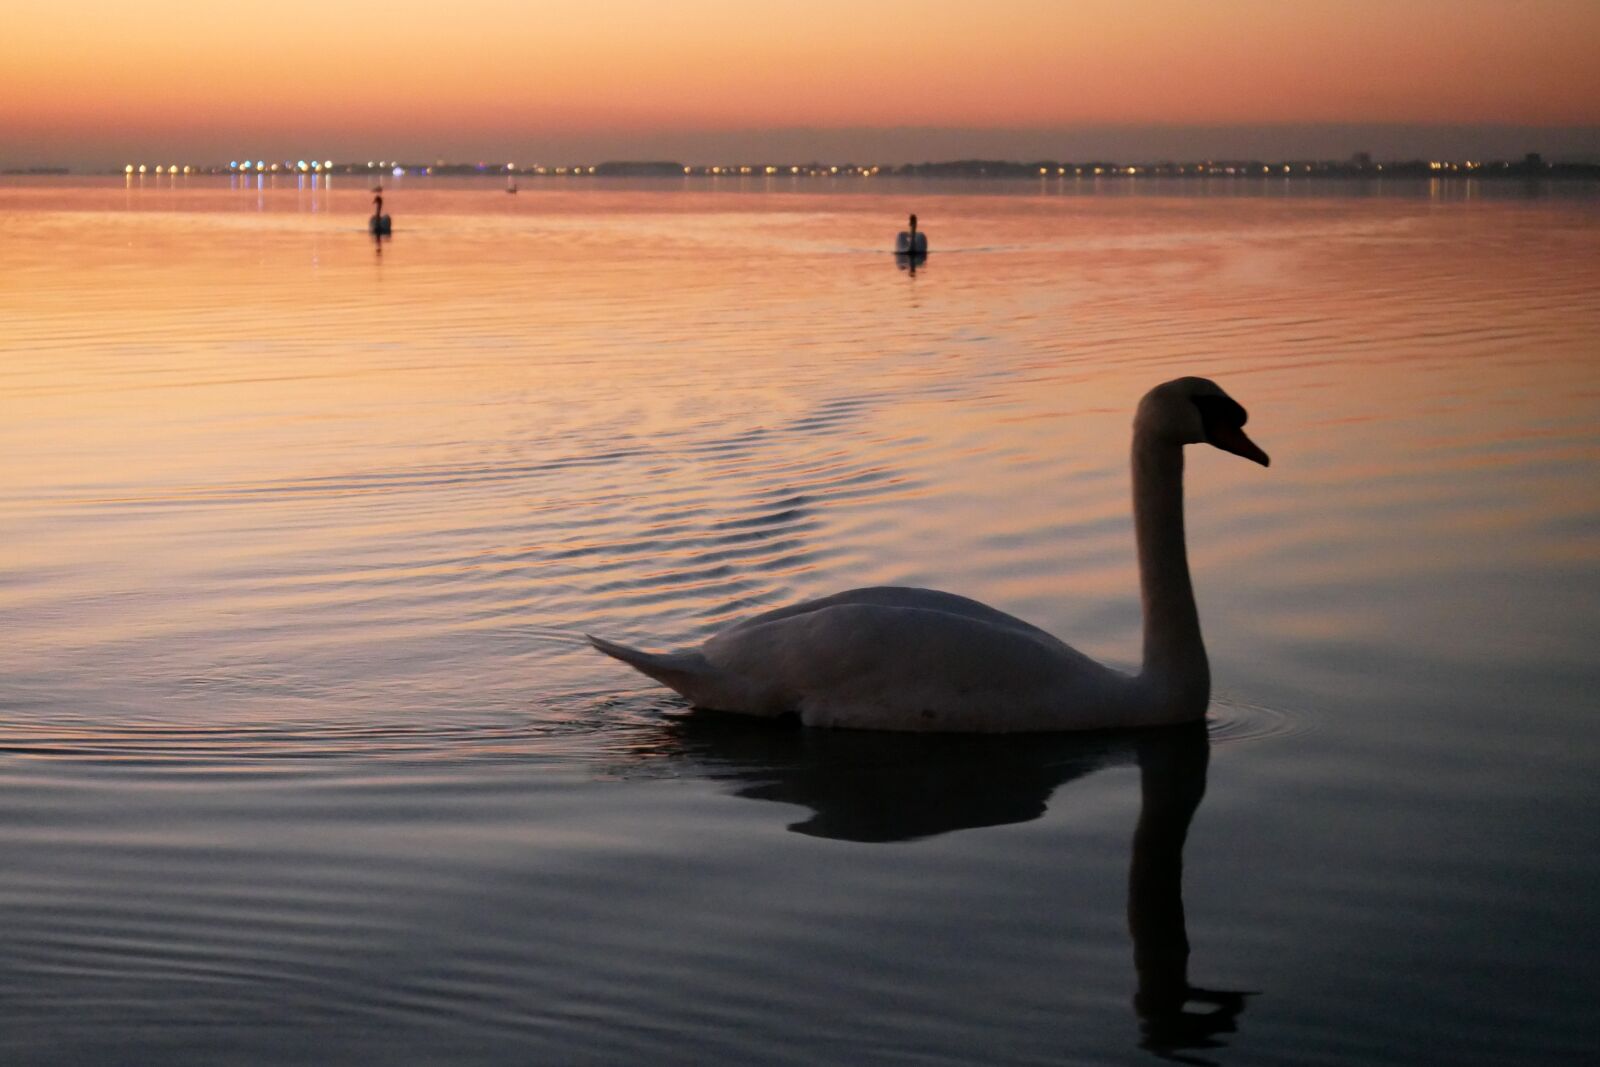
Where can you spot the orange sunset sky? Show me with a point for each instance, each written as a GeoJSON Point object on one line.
{"type": "Point", "coordinates": [98, 82]}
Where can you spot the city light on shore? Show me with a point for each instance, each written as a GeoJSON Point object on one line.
{"type": "Point", "coordinates": [1045, 172]}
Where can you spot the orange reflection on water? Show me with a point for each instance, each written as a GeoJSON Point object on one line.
{"type": "Point", "coordinates": [240, 437]}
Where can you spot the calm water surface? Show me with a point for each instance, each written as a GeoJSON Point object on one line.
{"type": "Point", "coordinates": [303, 759]}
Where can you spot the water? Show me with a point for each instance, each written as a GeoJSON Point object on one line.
{"type": "Point", "coordinates": [302, 757]}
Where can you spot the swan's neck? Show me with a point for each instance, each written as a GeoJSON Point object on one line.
{"type": "Point", "coordinates": [1176, 678]}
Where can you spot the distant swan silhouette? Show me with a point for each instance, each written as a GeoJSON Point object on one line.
{"type": "Point", "coordinates": [910, 242]}
{"type": "Point", "coordinates": [894, 658]}
{"type": "Point", "coordinates": [379, 224]}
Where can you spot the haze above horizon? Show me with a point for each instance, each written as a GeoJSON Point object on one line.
{"type": "Point", "coordinates": [703, 80]}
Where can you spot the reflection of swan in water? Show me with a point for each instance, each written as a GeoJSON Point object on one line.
{"type": "Point", "coordinates": [1172, 782]}
{"type": "Point", "coordinates": [379, 223]}
{"type": "Point", "coordinates": [910, 242]}
{"type": "Point", "coordinates": [880, 787]}
{"type": "Point", "coordinates": [916, 659]}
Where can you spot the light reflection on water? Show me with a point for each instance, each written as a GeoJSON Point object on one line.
{"type": "Point", "coordinates": [299, 726]}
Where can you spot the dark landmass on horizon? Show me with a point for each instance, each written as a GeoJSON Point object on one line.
{"type": "Point", "coordinates": [1133, 143]}
{"type": "Point", "coordinates": [1360, 166]}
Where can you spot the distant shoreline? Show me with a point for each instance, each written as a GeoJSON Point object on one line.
{"type": "Point", "coordinates": [1360, 168]}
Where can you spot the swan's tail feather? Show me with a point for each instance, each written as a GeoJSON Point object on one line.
{"type": "Point", "coordinates": [685, 672]}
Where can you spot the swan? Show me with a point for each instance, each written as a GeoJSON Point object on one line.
{"type": "Point", "coordinates": [379, 224]}
{"type": "Point", "coordinates": [910, 242]}
{"type": "Point", "coordinates": [893, 658]}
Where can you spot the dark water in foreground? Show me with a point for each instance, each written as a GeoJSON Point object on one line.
{"type": "Point", "coordinates": [302, 758]}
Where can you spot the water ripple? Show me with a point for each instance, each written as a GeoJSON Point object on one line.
{"type": "Point", "coordinates": [1231, 722]}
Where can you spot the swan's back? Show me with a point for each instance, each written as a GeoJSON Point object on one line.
{"type": "Point", "coordinates": [898, 596]}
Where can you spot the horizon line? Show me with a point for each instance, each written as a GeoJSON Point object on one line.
{"type": "Point", "coordinates": [1136, 143]}
{"type": "Point", "coordinates": [1356, 165]}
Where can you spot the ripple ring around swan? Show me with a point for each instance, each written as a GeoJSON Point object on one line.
{"type": "Point", "coordinates": [1230, 721]}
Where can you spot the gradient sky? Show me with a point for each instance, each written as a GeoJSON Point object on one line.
{"type": "Point", "coordinates": [97, 81]}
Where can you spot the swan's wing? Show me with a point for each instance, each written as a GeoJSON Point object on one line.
{"type": "Point", "coordinates": [898, 667]}
{"type": "Point", "coordinates": [898, 596]}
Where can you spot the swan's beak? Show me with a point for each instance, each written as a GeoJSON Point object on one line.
{"type": "Point", "coordinates": [1232, 439]}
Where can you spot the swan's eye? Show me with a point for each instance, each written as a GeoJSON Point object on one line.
{"type": "Point", "coordinates": [1221, 412]}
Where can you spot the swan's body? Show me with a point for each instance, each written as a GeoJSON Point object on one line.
{"type": "Point", "coordinates": [917, 659]}
{"type": "Point", "coordinates": [910, 242]}
{"type": "Point", "coordinates": [907, 243]}
{"type": "Point", "coordinates": [888, 658]}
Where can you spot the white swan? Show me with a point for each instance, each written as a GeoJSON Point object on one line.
{"type": "Point", "coordinates": [916, 659]}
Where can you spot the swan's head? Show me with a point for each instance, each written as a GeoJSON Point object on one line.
{"type": "Point", "coordinates": [1191, 411]}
